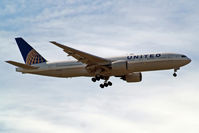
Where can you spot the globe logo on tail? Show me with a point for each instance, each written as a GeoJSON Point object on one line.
{"type": "Point", "coordinates": [34, 58]}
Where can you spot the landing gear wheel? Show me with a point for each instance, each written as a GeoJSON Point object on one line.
{"type": "Point", "coordinates": [102, 77]}
{"type": "Point", "coordinates": [93, 79]}
{"type": "Point", "coordinates": [109, 83]}
{"type": "Point", "coordinates": [106, 84]}
{"type": "Point", "coordinates": [97, 78]}
{"type": "Point", "coordinates": [174, 74]}
{"type": "Point", "coordinates": [175, 70]}
{"type": "Point", "coordinates": [101, 85]}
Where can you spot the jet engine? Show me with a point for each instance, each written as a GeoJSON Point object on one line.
{"type": "Point", "coordinates": [119, 67]}
{"type": "Point", "coordinates": [133, 77]}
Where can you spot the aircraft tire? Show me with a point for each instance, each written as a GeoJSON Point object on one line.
{"type": "Point", "coordinates": [175, 75]}
{"type": "Point", "coordinates": [109, 83]}
{"type": "Point", "coordinates": [93, 79]}
{"type": "Point", "coordinates": [97, 78]}
{"type": "Point", "coordinates": [106, 84]}
{"type": "Point", "coordinates": [101, 85]}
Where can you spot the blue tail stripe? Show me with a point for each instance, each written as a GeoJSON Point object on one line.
{"type": "Point", "coordinates": [24, 47]}
{"type": "Point", "coordinates": [28, 52]}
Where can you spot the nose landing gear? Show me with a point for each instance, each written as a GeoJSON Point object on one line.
{"type": "Point", "coordinates": [175, 72]}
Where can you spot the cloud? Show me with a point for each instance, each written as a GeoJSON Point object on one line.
{"type": "Point", "coordinates": [141, 109]}
{"type": "Point", "coordinates": [26, 124]}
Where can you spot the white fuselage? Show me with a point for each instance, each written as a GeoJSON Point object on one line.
{"type": "Point", "coordinates": [135, 63]}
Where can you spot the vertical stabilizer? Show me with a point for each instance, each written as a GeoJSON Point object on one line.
{"type": "Point", "coordinates": [30, 55]}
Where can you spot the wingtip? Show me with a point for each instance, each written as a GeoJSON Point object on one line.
{"type": "Point", "coordinates": [52, 42]}
{"type": "Point", "coordinates": [57, 44]}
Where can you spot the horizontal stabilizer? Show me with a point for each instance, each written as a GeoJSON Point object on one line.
{"type": "Point", "coordinates": [25, 66]}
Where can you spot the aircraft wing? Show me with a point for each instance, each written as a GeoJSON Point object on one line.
{"type": "Point", "coordinates": [82, 56]}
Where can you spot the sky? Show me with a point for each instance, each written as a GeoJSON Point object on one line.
{"type": "Point", "coordinates": [160, 103]}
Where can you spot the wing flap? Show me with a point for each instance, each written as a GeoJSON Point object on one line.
{"type": "Point", "coordinates": [25, 66]}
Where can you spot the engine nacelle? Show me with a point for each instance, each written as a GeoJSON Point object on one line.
{"type": "Point", "coordinates": [133, 77]}
{"type": "Point", "coordinates": [119, 67]}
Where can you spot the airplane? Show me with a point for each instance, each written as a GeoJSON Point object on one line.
{"type": "Point", "coordinates": [127, 68]}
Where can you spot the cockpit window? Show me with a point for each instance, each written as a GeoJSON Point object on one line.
{"type": "Point", "coordinates": [183, 56]}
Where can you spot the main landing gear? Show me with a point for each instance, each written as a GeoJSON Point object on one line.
{"type": "Point", "coordinates": [97, 78]}
{"type": "Point", "coordinates": [175, 72]}
{"type": "Point", "coordinates": [106, 82]}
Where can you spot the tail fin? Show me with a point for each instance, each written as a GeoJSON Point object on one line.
{"type": "Point", "coordinates": [30, 55]}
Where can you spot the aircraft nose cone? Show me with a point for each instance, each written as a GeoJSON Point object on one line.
{"type": "Point", "coordinates": [188, 60]}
